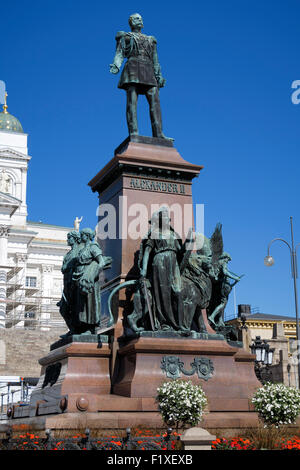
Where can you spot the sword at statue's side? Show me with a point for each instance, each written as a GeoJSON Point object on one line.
{"type": "Point", "coordinates": [152, 319]}
{"type": "Point", "coordinates": [65, 298]}
{"type": "Point", "coordinates": [62, 297]}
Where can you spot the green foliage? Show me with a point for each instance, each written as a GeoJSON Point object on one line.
{"type": "Point", "coordinates": [181, 403]}
{"type": "Point", "coordinates": [277, 404]}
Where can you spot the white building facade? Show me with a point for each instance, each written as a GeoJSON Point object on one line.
{"type": "Point", "coordinates": [31, 253]}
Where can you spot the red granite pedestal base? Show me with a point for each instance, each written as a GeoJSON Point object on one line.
{"type": "Point", "coordinates": [72, 378]}
{"type": "Point", "coordinates": [225, 373]}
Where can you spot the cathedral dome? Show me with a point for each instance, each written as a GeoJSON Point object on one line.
{"type": "Point", "coordinates": [10, 123]}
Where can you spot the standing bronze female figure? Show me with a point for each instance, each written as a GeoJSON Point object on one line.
{"type": "Point", "coordinates": [69, 262]}
{"type": "Point", "coordinates": [86, 298]}
{"type": "Point", "coordinates": [160, 256]}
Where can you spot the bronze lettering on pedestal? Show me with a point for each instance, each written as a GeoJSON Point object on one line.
{"type": "Point", "coordinates": [160, 186]}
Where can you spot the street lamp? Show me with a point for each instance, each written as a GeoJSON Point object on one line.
{"type": "Point", "coordinates": [257, 348]}
{"type": "Point", "coordinates": [269, 353]}
{"type": "Point", "coordinates": [269, 261]}
{"type": "Point", "coordinates": [264, 358]}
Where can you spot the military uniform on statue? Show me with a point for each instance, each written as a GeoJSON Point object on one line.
{"type": "Point", "coordinates": [141, 74]}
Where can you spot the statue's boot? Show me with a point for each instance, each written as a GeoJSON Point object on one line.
{"type": "Point", "coordinates": [155, 114]}
{"type": "Point", "coordinates": [162, 136]}
{"type": "Point", "coordinates": [66, 335]}
{"type": "Point", "coordinates": [156, 125]}
{"type": "Point", "coordinates": [157, 132]}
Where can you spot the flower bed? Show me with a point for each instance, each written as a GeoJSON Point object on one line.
{"type": "Point", "coordinates": [239, 443]}
{"type": "Point", "coordinates": [139, 440]}
{"type": "Point", "coordinates": [290, 444]}
{"type": "Point", "coordinates": [142, 440]}
{"type": "Point", "coordinates": [235, 443]}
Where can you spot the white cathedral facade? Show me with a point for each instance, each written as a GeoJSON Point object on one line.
{"type": "Point", "coordinates": [31, 253]}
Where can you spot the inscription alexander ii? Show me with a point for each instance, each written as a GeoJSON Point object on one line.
{"type": "Point", "coordinates": [160, 186]}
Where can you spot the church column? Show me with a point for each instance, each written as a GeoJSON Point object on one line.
{"type": "Point", "coordinates": [24, 189]}
{"type": "Point", "coordinates": [4, 229]}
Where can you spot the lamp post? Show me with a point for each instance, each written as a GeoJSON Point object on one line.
{"type": "Point", "coordinates": [264, 358]}
{"type": "Point", "coordinates": [269, 261]}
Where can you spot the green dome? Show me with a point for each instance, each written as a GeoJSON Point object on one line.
{"type": "Point", "coordinates": [10, 123]}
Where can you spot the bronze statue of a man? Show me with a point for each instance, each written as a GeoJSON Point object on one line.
{"type": "Point", "coordinates": [141, 74]}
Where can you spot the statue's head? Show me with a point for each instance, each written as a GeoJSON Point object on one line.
{"type": "Point", "coordinates": [202, 245]}
{"type": "Point", "coordinates": [73, 237]}
{"type": "Point", "coordinates": [87, 234]}
{"type": "Point", "coordinates": [136, 21]}
{"type": "Point", "coordinates": [161, 218]}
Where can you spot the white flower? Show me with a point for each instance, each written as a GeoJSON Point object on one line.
{"type": "Point", "coordinates": [277, 404]}
{"type": "Point", "coordinates": [181, 402]}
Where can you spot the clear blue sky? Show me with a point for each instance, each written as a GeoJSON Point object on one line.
{"type": "Point", "coordinates": [229, 68]}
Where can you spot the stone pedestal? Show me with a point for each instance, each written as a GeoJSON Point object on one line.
{"type": "Point", "coordinates": [197, 439]}
{"type": "Point", "coordinates": [109, 421]}
{"type": "Point", "coordinates": [146, 171]}
{"type": "Point", "coordinates": [225, 373]}
{"type": "Point", "coordinates": [114, 386]}
{"type": "Point", "coordinates": [72, 378]}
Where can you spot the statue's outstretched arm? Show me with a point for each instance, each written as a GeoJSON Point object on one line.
{"type": "Point", "coordinates": [231, 275]}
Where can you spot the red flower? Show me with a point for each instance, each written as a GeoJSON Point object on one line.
{"type": "Point", "coordinates": [117, 442]}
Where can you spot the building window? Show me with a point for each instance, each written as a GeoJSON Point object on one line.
{"type": "Point", "coordinates": [292, 345]}
{"type": "Point", "coordinates": [31, 281]}
{"type": "Point", "coordinates": [29, 314]}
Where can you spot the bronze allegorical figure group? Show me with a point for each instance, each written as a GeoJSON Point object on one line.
{"type": "Point", "coordinates": [80, 305]}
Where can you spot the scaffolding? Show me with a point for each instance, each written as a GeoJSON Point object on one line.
{"type": "Point", "coordinates": [15, 389]}
{"type": "Point", "coordinates": [27, 307]}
